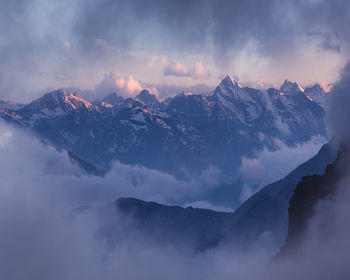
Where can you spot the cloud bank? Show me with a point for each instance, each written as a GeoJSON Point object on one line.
{"type": "Point", "coordinates": [269, 166]}
{"type": "Point", "coordinates": [38, 240]}
{"type": "Point", "coordinates": [73, 43]}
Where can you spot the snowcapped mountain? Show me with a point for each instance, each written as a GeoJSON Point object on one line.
{"type": "Point", "coordinates": [183, 132]}
{"type": "Point", "coordinates": [289, 87]}
{"type": "Point", "coordinates": [317, 94]}
{"type": "Point", "coordinates": [56, 103]}
{"type": "Point", "coordinates": [235, 100]}
{"type": "Point", "coordinates": [267, 210]}
{"type": "Point", "coordinates": [147, 98]}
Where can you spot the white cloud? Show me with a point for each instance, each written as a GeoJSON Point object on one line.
{"type": "Point", "coordinates": [198, 71]}
{"type": "Point", "coordinates": [204, 204]}
{"type": "Point", "coordinates": [176, 69]}
{"type": "Point", "coordinates": [123, 85]}
{"type": "Point", "coordinates": [47, 169]}
{"type": "Point", "coordinates": [39, 184]}
{"type": "Point", "coordinates": [268, 166]}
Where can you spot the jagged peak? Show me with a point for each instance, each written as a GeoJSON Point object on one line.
{"type": "Point", "coordinates": [291, 87]}
{"type": "Point", "coordinates": [229, 81]}
{"type": "Point", "coordinates": [144, 93]}
{"type": "Point", "coordinates": [317, 94]}
{"type": "Point", "coordinates": [61, 98]}
{"type": "Point", "coordinates": [63, 93]}
{"type": "Point", "coordinates": [317, 88]}
{"type": "Point", "coordinates": [146, 97]}
{"type": "Point", "coordinates": [230, 87]}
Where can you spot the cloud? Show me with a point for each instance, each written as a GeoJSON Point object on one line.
{"type": "Point", "coordinates": [327, 41]}
{"type": "Point", "coordinates": [179, 70]}
{"type": "Point", "coordinates": [269, 166]}
{"type": "Point", "coordinates": [96, 37]}
{"type": "Point", "coordinates": [166, 90]}
{"type": "Point", "coordinates": [259, 84]}
{"type": "Point", "coordinates": [204, 204]}
{"type": "Point", "coordinates": [40, 186]}
{"type": "Point", "coordinates": [323, 248]}
{"type": "Point", "coordinates": [39, 240]}
{"type": "Point", "coordinates": [176, 69]}
{"type": "Point", "coordinates": [125, 86]}
{"type": "Point", "coordinates": [162, 90]}
{"type": "Point", "coordinates": [339, 116]}
{"type": "Point", "coordinates": [50, 170]}
{"type": "Point", "coordinates": [199, 72]}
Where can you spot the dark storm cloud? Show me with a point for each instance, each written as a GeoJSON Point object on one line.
{"type": "Point", "coordinates": [276, 25]}
{"type": "Point", "coordinates": [327, 41]}
{"type": "Point", "coordinates": [339, 115]}
{"type": "Point", "coordinates": [36, 34]}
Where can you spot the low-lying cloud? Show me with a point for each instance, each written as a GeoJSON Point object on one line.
{"type": "Point", "coordinates": [269, 166]}
{"type": "Point", "coordinates": [40, 186]}
{"type": "Point", "coordinates": [47, 169]}
{"type": "Point", "coordinates": [176, 69]}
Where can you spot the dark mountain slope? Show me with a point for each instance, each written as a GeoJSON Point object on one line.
{"type": "Point", "coordinates": [267, 210]}
{"type": "Point", "coordinates": [309, 192]}
{"type": "Point", "coordinates": [197, 229]}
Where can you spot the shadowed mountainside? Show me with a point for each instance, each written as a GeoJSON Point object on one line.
{"type": "Point", "coordinates": [309, 192]}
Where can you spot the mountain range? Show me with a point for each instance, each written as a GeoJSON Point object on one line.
{"type": "Point", "coordinates": [185, 132]}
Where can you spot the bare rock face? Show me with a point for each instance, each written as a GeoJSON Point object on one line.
{"type": "Point", "coordinates": [309, 192]}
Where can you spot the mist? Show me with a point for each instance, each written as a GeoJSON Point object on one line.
{"type": "Point", "coordinates": [53, 173]}
{"type": "Point", "coordinates": [269, 166]}
{"type": "Point", "coordinates": [41, 239]}
{"type": "Point", "coordinates": [54, 217]}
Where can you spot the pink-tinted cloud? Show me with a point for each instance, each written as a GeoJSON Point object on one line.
{"type": "Point", "coordinates": [123, 85]}
{"type": "Point", "coordinates": [198, 71]}
{"type": "Point", "coordinates": [176, 69]}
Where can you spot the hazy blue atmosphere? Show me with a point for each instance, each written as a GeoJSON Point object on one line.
{"type": "Point", "coordinates": [163, 139]}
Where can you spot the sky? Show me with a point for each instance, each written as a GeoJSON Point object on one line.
{"type": "Point", "coordinates": [168, 45]}
{"type": "Point", "coordinates": [163, 45]}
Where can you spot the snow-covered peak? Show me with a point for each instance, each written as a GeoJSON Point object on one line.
{"type": "Point", "coordinates": [236, 100]}
{"type": "Point", "coordinates": [63, 99]}
{"type": "Point", "coordinates": [229, 81]}
{"type": "Point", "coordinates": [315, 89]}
{"type": "Point", "coordinates": [317, 94]}
{"type": "Point", "coordinates": [231, 90]}
{"type": "Point", "coordinates": [146, 97]}
{"type": "Point", "coordinates": [291, 88]}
